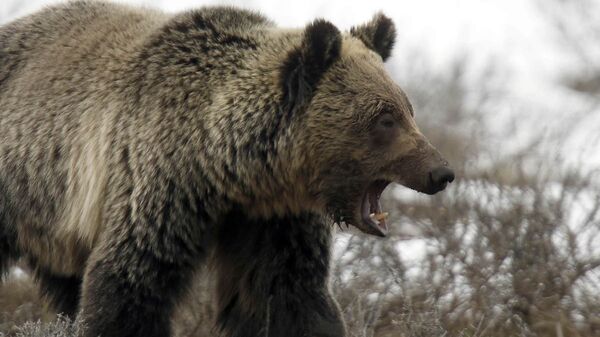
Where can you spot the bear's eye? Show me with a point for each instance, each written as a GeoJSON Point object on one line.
{"type": "Point", "coordinates": [386, 121]}
{"type": "Point", "coordinates": [385, 129]}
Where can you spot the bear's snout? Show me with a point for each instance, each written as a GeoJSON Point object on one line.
{"type": "Point", "coordinates": [439, 178]}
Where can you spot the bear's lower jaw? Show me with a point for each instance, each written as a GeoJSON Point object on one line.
{"type": "Point", "coordinates": [372, 219]}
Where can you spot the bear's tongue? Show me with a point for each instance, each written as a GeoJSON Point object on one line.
{"type": "Point", "coordinates": [372, 216]}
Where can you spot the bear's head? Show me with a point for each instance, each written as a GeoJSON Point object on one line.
{"type": "Point", "coordinates": [359, 126]}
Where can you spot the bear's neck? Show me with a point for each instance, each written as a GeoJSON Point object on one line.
{"type": "Point", "coordinates": [259, 154]}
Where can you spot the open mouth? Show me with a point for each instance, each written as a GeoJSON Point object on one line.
{"type": "Point", "coordinates": [372, 217]}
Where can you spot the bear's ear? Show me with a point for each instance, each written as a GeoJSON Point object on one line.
{"type": "Point", "coordinates": [379, 35]}
{"type": "Point", "coordinates": [306, 64]}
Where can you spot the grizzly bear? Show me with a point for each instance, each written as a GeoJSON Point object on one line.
{"type": "Point", "coordinates": [135, 145]}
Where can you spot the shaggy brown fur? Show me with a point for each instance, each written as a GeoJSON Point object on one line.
{"type": "Point", "coordinates": [133, 143]}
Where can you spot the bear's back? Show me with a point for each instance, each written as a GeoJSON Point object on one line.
{"type": "Point", "coordinates": [63, 35]}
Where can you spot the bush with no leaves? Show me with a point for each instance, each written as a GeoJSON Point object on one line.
{"type": "Point", "coordinates": [61, 327]}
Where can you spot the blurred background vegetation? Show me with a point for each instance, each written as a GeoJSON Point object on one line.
{"type": "Point", "coordinates": [511, 249]}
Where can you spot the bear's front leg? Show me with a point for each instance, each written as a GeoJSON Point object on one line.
{"type": "Point", "coordinates": [273, 278]}
{"type": "Point", "coordinates": [130, 294]}
{"type": "Point", "coordinates": [143, 264]}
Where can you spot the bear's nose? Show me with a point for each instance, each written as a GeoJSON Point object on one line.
{"type": "Point", "coordinates": [440, 177]}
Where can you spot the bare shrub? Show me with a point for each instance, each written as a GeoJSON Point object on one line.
{"type": "Point", "coordinates": [578, 28]}
{"type": "Point", "coordinates": [61, 327]}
